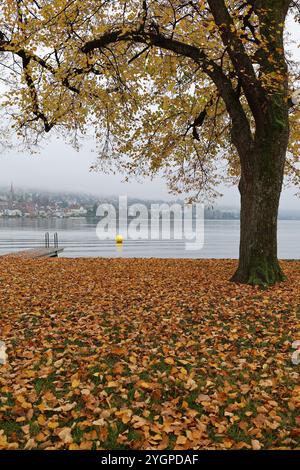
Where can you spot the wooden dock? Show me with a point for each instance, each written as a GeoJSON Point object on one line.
{"type": "Point", "coordinates": [36, 253]}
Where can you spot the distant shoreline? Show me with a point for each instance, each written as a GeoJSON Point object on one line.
{"type": "Point", "coordinates": [93, 217]}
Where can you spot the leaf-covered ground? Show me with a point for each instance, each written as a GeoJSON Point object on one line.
{"type": "Point", "coordinates": [146, 354]}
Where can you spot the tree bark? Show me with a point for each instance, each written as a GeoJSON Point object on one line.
{"type": "Point", "coordinates": [260, 188]}
{"type": "Point", "coordinates": [258, 263]}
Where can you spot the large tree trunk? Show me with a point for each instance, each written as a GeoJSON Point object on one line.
{"type": "Point", "coordinates": [258, 263]}
{"type": "Point", "coordinates": [260, 188]}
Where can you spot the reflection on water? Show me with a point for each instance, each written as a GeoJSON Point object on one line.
{"type": "Point", "coordinates": [78, 237]}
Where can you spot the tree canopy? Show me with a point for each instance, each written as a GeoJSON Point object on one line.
{"type": "Point", "coordinates": [166, 84]}
{"type": "Point", "coordinates": [201, 89]}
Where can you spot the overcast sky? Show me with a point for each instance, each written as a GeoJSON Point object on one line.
{"type": "Point", "coordinates": [59, 167]}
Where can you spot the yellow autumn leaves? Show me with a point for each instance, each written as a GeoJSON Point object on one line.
{"type": "Point", "coordinates": [172, 357]}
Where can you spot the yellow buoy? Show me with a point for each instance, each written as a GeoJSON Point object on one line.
{"type": "Point", "coordinates": [119, 239]}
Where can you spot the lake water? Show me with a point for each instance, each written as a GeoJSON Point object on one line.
{"type": "Point", "coordinates": [78, 238]}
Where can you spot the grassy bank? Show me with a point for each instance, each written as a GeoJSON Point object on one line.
{"type": "Point", "coordinates": [146, 354]}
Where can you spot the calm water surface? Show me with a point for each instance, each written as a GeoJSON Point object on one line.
{"type": "Point", "coordinates": [78, 237]}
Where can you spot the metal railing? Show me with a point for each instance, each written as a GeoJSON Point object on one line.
{"type": "Point", "coordinates": [56, 240]}
{"type": "Point", "coordinates": [47, 240]}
